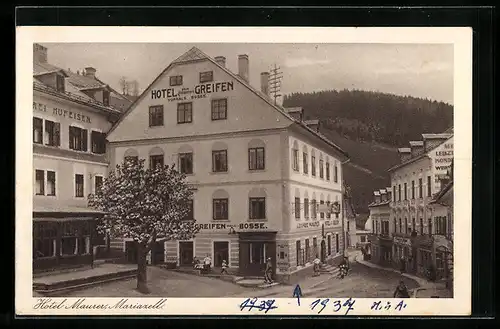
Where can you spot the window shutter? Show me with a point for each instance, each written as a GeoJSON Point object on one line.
{"type": "Point", "coordinates": [71, 134]}
{"type": "Point", "coordinates": [57, 134]}
{"type": "Point", "coordinates": [84, 139]}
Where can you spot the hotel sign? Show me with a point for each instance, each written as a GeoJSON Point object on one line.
{"type": "Point", "coordinates": [62, 112]}
{"type": "Point", "coordinates": [313, 224]}
{"type": "Point", "coordinates": [196, 92]}
{"type": "Point", "coordinates": [225, 226]}
{"type": "Point", "coordinates": [443, 158]}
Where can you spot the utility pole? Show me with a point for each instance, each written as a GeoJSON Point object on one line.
{"type": "Point", "coordinates": [275, 77]}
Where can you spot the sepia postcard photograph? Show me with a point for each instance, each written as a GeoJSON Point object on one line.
{"type": "Point", "coordinates": [308, 171]}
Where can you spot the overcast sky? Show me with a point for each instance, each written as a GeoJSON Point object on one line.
{"type": "Point", "coordinates": [423, 70]}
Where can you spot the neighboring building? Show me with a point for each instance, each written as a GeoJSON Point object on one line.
{"type": "Point", "coordinates": [71, 115]}
{"type": "Point", "coordinates": [380, 238]}
{"type": "Point", "coordinates": [415, 181]}
{"type": "Point", "coordinates": [263, 177]}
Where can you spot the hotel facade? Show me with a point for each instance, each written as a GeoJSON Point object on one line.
{"type": "Point", "coordinates": [411, 222]}
{"type": "Point", "coordinates": [267, 183]}
{"type": "Point", "coordinates": [72, 113]}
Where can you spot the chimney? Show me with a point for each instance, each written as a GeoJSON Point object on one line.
{"type": "Point", "coordinates": [295, 112]}
{"type": "Point", "coordinates": [90, 72]}
{"type": "Point", "coordinates": [39, 53]}
{"type": "Point", "coordinates": [243, 67]}
{"type": "Point", "coordinates": [377, 196]}
{"type": "Point", "coordinates": [404, 154]}
{"type": "Point", "coordinates": [433, 140]}
{"type": "Point", "coordinates": [264, 82]}
{"type": "Point", "coordinates": [221, 60]}
{"type": "Point", "coordinates": [417, 148]}
{"type": "Point", "coordinates": [383, 195]}
{"type": "Point", "coordinates": [313, 124]}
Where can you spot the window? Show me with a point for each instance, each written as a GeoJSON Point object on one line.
{"type": "Point", "coordinates": [429, 226]}
{"type": "Point", "coordinates": [385, 228]}
{"type": "Point", "coordinates": [406, 225]}
{"type": "Point", "coordinates": [421, 226]}
{"type": "Point", "coordinates": [37, 130]}
{"type": "Point", "coordinates": [399, 192]}
{"type": "Point", "coordinates": [313, 209]}
{"type": "Point", "coordinates": [184, 112]}
{"type": "Point", "coordinates": [52, 133]}
{"type": "Point", "coordinates": [257, 208]}
{"type": "Point", "coordinates": [39, 182]}
{"type": "Point", "coordinates": [315, 247]}
{"type": "Point", "coordinates": [395, 225]}
{"type": "Point", "coordinates": [308, 251]}
{"type": "Point", "coordinates": [313, 165]}
{"type": "Point", "coordinates": [327, 169]}
{"type": "Point", "coordinates": [206, 76]}
{"type": "Point", "coordinates": [176, 80]}
{"type": "Point", "coordinates": [97, 183]}
{"type": "Point", "coordinates": [219, 109]}
{"type": "Point", "coordinates": [337, 243]}
{"type": "Point", "coordinates": [363, 238]}
{"type": "Point", "coordinates": [300, 254]}
{"type": "Point", "coordinates": [105, 97]}
{"type": "Point", "coordinates": [220, 209]}
{"type": "Point", "coordinates": [98, 141]}
{"type": "Point", "coordinates": [406, 191]}
{"type": "Point", "coordinates": [329, 245]}
{"type": "Point", "coordinates": [394, 193]}
{"type": "Point", "coordinates": [348, 228]}
{"type": "Point", "coordinates": [219, 161]}
{"type": "Point", "coordinates": [305, 165]}
{"type": "Point", "coordinates": [156, 116]}
{"type": "Point", "coordinates": [60, 83]}
{"type": "Point", "coordinates": [51, 183]}
{"type": "Point", "coordinates": [413, 189]}
{"type": "Point", "coordinates": [190, 214]}
{"type": "Point", "coordinates": [297, 208]}
{"type": "Point", "coordinates": [79, 186]}
{"type": "Point", "coordinates": [186, 163]}
{"type": "Point", "coordinates": [295, 164]}
{"type": "Point", "coordinates": [78, 139]}
{"type": "Point", "coordinates": [306, 208]}
{"type": "Point", "coordinates": [321, 173]}
{"type": "Point", "coordinates": [335, 174]}
{"type": "Point", "coordinates": [400, 226]}
{"type": "Point", "coordinates": [155, 161]}
{"type": "Point", "coordinates": [322, 214]}
{"type": "Point", "coordinates": [441, 228]}
{"type": "Point", "coordinates": [420, 188]}
{"type": "Point", "coordinates": [44, 240]}
{"type": "Point", "coordinates": [69, 239]}
{"type": "Point", "coordinates": [429, 186]}
{"type": "Point", "coordinates": [256, 158]}
{"type": "Point", "coordinates": [328, 213]}
{"type": "Point", "coordinates": [413, 225]}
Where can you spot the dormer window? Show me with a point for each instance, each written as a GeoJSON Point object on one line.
{"type": "Point", "coordinates": [105, 97]}
{"type": "Point", "coordinates": [60, 83]}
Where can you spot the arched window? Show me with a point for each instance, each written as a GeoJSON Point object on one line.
{"type": "Point", "coordinates": [256, 155]}
{"type": "Point", "coordinates": [156, 157]}
{"type": "Point", "coordinates": [219, 157]}
{"type": "Point", "coordinates": [321, 166]}
{"type": "Point", "coordinates": [295, 156]}
{"type": "Point", "coordinates": [220, 205]}
{"type": "Point", "coordinates": [313, 163]}
{"type": "Point", "coordinates": [321, 202]}
{"type": "Point", "coordinates": [306, 205]}
{"type": "Point", "coordinates": [185, 159]}
{"type": "Point", "coordinates": [131, 155]}
{"type": "Point", "coordinates": [327, 168]}
{"type": "Point", "coordinates": [314, 208]}
{"type": "Point", "coordinates": [305, 160]}
{"type": "Point", "coordinates": [257, 203]}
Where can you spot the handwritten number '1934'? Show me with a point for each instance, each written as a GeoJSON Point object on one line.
{"type": "Point", "coordinates": [337, 305]}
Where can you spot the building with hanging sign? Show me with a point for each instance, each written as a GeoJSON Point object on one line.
{"type": "Point", "coordinates": [72, 112]}
{"type": "Point", "coordinates": [266, 181]}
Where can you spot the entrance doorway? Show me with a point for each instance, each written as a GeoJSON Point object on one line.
{"type": "Point", "coordinates": [158, 253]}
{"type": "Point", "coordinates": [221, 252]}
{"type": "Point", "coordinates": [255, 248]}
{"type": "Point", "coordinates": [186, 253]}
{"type": "Point", "coordinates": [323, 250]}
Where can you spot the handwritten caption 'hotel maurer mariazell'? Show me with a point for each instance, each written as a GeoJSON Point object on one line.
{"type": "Point", "coordinates": [81, 303]}
{"type": "Point", "coordinates": [185, 93]}
{"type": "Point", "coordinates": [62, 112]}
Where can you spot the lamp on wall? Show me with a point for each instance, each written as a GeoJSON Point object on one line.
{"type": "Point", "coordinates": [232, 231]}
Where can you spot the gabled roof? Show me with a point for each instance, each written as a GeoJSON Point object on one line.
{"type": "Point", "coordinates": [195, 54]}
{"type": "Point", "coordinates": [442, 192]}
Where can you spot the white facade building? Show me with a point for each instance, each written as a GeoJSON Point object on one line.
{"type": "Point", "coordinates": [257, 168]}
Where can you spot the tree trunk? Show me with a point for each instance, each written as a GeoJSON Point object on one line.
{"type": "Point", "coordinates": [142, 280]}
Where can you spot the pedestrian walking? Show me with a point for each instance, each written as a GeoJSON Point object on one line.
{"type": "Point", "coordinates": [207, 263]}
{"type": "Point", "coordinates": [224, 267]}
{"type": "Point", "coordinates": [402, 265]}
{"type": "Point", "coordinates": [401, 291]}
{"type": "Point", "coordinates": [269, 271]}
{"type": "Point", "coordinates": [317, 263]}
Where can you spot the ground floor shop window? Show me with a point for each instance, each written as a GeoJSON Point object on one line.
{"type": "Point", "coordinates": [44, 240]}
{"type": "Point", "coordinates": [186, 249]}
{"type": "Point", "coordinates": [75, 238]}
{"type": "Point", "coordinates": [329, 245]}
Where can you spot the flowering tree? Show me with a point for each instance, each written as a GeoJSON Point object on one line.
{"type": "Point", "coordinates": [144, 205]}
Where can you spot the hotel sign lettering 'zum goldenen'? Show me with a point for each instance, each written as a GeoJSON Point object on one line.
{"type": "Point", "coordinates": [185, 93]}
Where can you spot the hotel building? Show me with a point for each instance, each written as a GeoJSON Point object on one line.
{"type": "Point", "coordinates": [415, 223]}
{"type": "Point", "coordinates": [72, 113]}
{"type": "Point", "coordinates": [264, 178]}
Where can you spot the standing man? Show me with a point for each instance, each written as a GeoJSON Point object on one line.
{"type": "Point", "coordinates": [207, 262]}
{"type": "Point", "coordinates": [269, 271]}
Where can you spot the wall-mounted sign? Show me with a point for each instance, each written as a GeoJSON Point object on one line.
{"type": "Point", "coordinates": [282, 260]}
{"type": "Point", "coordinates": [62, 112]}
{"type": "Point", "coordinates": [402, 241]}
{"type": "Point", "coordinates": [308, 224]}
{"type": "Point", "coordinates": [225, 226]}
{"type": "Point", "coordinates": [330, 223]}
{"type": "Point", "coordinates": [186, 93]}
{"type": "Point", "coordinates": [443, 158]}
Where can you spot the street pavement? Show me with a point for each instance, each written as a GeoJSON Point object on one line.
{"type": "Point", "coordinates": [163, 283]}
